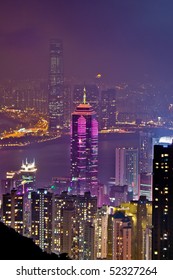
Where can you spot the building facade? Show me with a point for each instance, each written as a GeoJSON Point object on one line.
{"type": "Point", "coordinates": [84, 149]}
{"type": "Point", "coordinates": [56, 86]}
{"type": "Point", "coordinates": [162, 241]}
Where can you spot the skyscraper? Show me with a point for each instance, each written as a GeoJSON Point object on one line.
{"type": "Point", "coordinates": [162, 241]}
{"type": "Point", "coordinates": [84, 149]}
{"type": "Point", "coordinates": [55, 85]}
{"type": "Point", "coordinates": [126, 169]}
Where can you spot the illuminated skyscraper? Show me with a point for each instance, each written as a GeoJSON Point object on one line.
{"type": "Point", "coordinates": [28, 175]}
{"type": "Point", "coordinates": [56, 81]}
{"type": "Point", "coordinates": [84, 149]}
{"type": "Point", "coordinates": [162, 241]}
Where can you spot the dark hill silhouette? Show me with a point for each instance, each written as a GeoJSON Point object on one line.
{"type": "Point", "coordinates": [17, 247]}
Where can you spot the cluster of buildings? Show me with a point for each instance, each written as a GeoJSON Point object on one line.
{"type": "Point", "coordinates": [57, 97]}
{"type": "Point", "coordinates": [130, 218]}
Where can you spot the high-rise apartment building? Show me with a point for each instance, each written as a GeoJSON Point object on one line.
{"type": "Point", "coordinates": [126, 169]}
{"type": "Point", "coordinates": [55, 86]}
{"type": "Point", "coordinates": [12, 210]}
{"type": "Point", "coordinates": [84, 149]}
{"type": "Point", "coordinates": [41, 219]}
{"type": "Point", "coordinates": [101, 233]}
{"type": "Point", "coordinates": [162, 232]}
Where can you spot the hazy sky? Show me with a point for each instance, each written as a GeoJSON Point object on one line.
{"type": "Point", "coordinates": [122, 39]}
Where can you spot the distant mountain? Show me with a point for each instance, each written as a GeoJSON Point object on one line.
{"type": "Point", "coordinates": [17, 247]}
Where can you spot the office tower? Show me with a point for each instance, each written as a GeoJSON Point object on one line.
{"type": "Point", "coordinates": [12, 210]}
{"type": "Point", "coordinates": [145, 152]}
{"type": "Point", "coordinates": [55, 86]}
{"type": "Point", "coordinates": [84, 149]}
{"type": "Point", "coordinates": [119, 237]}
{"type": "Point", "coordinates": [41, 219]}
{"type": "Point", "coordinates": [126, 169]}
{"type": "Point", "coordinates": [108, 109]}
{"type": "Point", "coordinates": [92, 96]}
{"type": "Point", "coordinates": [162, 241]}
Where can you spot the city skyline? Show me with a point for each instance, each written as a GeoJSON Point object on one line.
{"type": "Point", "coordinates": [98, 185]}
{"type": "Point", "coordinates": [119, 39]}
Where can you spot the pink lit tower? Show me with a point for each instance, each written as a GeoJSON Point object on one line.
{"type": "Point", "coordinates": [84, 149]}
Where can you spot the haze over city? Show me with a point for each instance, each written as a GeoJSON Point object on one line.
{"type": "Point", "coordinates": [122, 40]}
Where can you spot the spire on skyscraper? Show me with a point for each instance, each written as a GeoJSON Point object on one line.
{"type": "Point", "coordinates": [84, 95]}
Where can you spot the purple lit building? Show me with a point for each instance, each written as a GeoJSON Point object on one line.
{"type": "Point", "coordinates": [84, 149]}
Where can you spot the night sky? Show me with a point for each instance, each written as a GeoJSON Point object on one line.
{"type": "Point", "coordinates": [122, 39]}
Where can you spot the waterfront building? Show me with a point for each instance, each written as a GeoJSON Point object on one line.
{"type": "Point", "coordinates": [162, 232]}
{"type": "Point", "coordinates": [56, 86]}
{"type": "Point", "coordinates": [84, 149]}
{"type": "Point", "coordinates": [41, 219]}
{"type": "Point", "coordinates": [108, 109]}
{"type": "Point", "coordinates": [126, 169]}
{"type": "Point", "coordinates": [28, 176]}
{"type": "Point", "coordinates": [145, 152]}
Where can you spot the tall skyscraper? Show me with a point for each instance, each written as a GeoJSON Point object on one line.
{"type": "Point", "coordinates": [126, 169]}
{"type": "Point", "coordinates": [55, 86]}
{"type": "Point", "coordinates": [84, 149]}
{"type": "Point", "coordinates": [162, 241]}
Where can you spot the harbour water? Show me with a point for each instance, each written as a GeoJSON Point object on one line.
{"type": "Point", "coordinates": [53, 159]}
